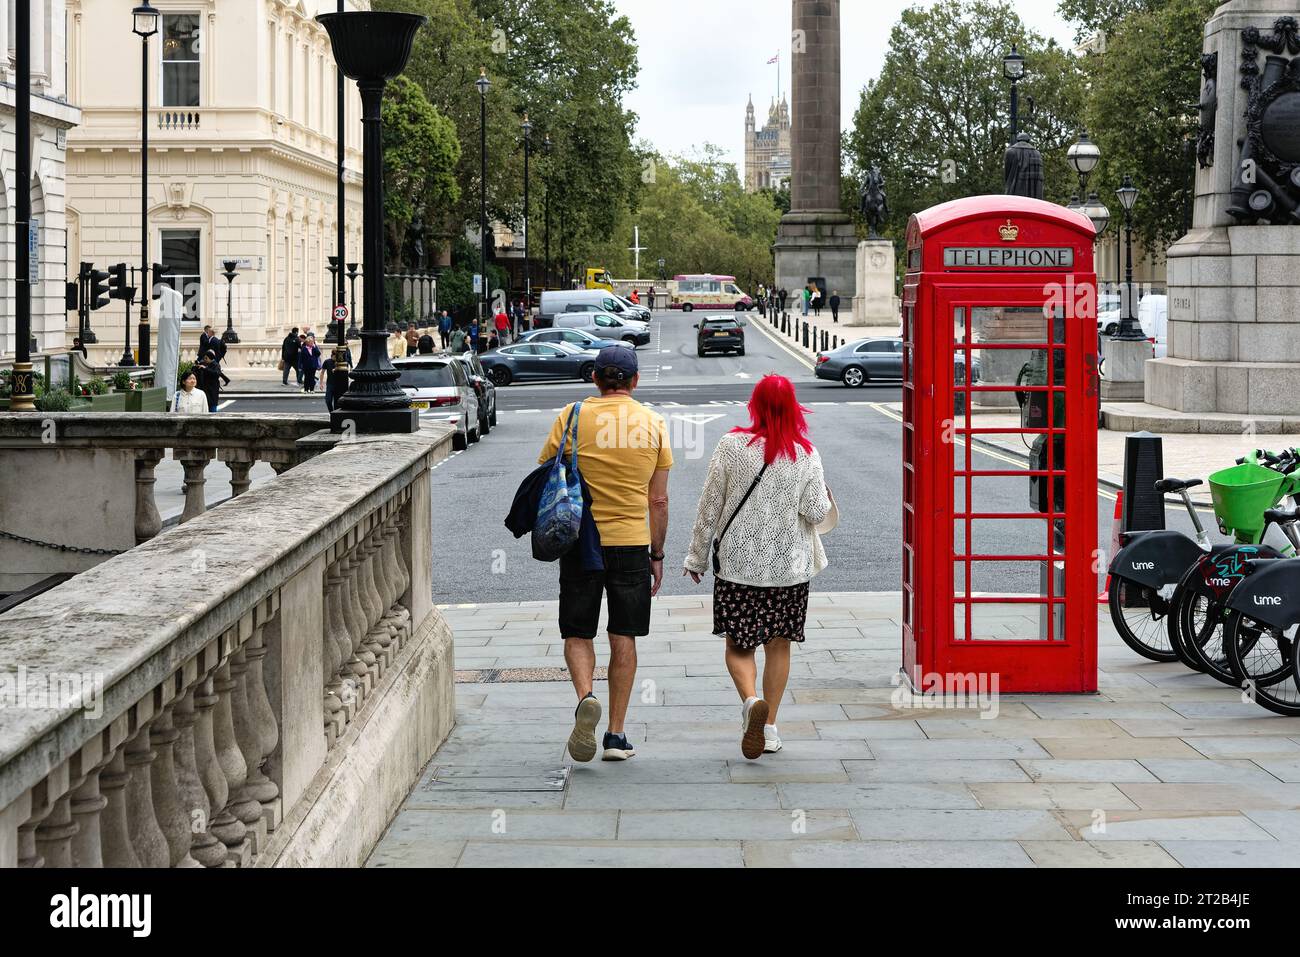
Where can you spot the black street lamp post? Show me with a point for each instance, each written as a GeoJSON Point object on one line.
{"type": "Point", "coordinates": [547, 146]}
{"type": "Point", "coordinates": [1129, 330]}
{"type": "Point", "coordinates": [353, 331]}
{"type": "Point", "coordinates": [1013, 68]}
{"type": "Point", "coordinates": [232, 270]}
{"type": "Point", "coordinates": [144, 25]}
{"type": "Point", "coordinates": [483, 84]}
{"type": "Point", "coordinates": [336, 284]}
{"type": "Point", "coordinates": [22, 397]}
{"type": "Point", "coordinates": [527, 128]}
{"type": "Point", "coordinates": [340, 371]}
{"type": "Point", "coordinates": [372, 48]}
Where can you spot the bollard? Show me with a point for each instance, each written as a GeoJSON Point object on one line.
{"type": "Point", "coordinates": [805, 333]}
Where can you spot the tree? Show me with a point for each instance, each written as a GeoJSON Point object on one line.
{"type": "Point", "coordinates": [937, 119]}
{"type": "Point", "coordinates": [1141, 111]}
{"type": "Point", "coordinates": [420, 157]}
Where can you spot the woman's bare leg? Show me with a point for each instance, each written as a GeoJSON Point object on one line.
{"type": "Point", "coordinates": [776, 673]}
{"type": "Point", "coordinates": [743, 669]}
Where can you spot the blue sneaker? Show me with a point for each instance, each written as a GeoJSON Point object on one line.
{"type": "Point", "coordinates": [617, 747]}
{"type": "Point", "coordinates": [582, 739]}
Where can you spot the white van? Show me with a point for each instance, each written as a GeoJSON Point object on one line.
{"type": "Point", "coordinates": [1153, 315]}
{"type": "Point", "coordinates": [556, 301]}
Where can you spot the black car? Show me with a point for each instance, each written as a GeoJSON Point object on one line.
{"type": "Point", "coordinates": [720, 334]}
{"type": "Point", "coordinates": [538, 360]}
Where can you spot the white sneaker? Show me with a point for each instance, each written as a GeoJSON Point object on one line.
{"type": "Point", "coordinates": [754, 717]}
{"type": "Point", "coordinates": [744, 712]}
{"type": "Point", "coordinates": [771, 740]}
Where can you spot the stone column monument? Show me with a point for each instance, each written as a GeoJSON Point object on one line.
{"type": "Point", "coordinates": [1234, 280]}
{"type": "Point", "coordinates": [816, 239]}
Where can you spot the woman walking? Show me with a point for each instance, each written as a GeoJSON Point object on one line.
{"type": "Point", "coordinates": [190, 399]}
{"type": "Point", "coordinates": [764, 504]}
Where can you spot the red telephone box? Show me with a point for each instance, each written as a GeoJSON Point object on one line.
{"type": "Point", "coordinates": [1000, 448]}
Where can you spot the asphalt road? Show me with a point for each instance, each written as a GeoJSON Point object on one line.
{"type": "Point", "coordinates": [477, 560]}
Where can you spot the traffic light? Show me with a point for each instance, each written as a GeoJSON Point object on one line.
{"type": "Point", "coordinates": [117, 282]}
{"type": "Point", "coordinates": [99, 292]}
{"type": "Point", "coordinates": [72, 297]}
{"type": "Point", "coordinates": [159, 280]}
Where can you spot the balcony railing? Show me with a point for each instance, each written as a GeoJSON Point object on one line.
{"type": "Point", "coordinates": [256, 687]}
{"type": "Point", "coordinates": [177, 118]}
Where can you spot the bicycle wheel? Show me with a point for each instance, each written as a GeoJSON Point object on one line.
{"type": "Point", "coordinates": [1138, 613]}
{"type": "Point", "coordinates": [1263, 658]}
{"type": "Point", "coordinates": [1196, 629]}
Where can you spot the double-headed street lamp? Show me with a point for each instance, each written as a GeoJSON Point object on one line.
{"type": "Point", "coordinates": [1129, 330]}
{"type": "Point", "coordinates": [1013, 69]}
{"type": "Point", "coordinates": [527, 128]}
{"type": "Point", "coordinates": [1084, 155]}
{"type": "Point", "coordinates": [547, 147]}
{"type": "Point", "coordinates": [483, 84]}
{"type": "Point", "coordinates": [232, 270]}
{"type": "Point", "coordinates": [144, 24]}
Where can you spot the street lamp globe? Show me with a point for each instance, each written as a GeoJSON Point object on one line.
{"type": "Point", "coordinates": [483, 83]}
{"type": "Point", "coordinates": [144, 20]}
{"type": "Point", "coordinates": [1013, 65]}
{"type": "Point", "coordinates": [527, 127]}
{"type": "Point", "coordinates": [548, 144]}
{"type": "Point", "coordinates": [1097, 211]}
{"type": "Point", "coordinates": [1127, 193]}
{"type": "Point", "coordinates": [1084, 155]}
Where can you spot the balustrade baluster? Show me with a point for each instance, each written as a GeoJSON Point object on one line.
{"type": "Point", "coordinates": [116, 846]}
{"type": "Point", "coordinates": [263, 715]}
{"type": "Point", "coordinates": [245, 805]}
{"type": "Point", "coordinates": [239, 481]}
{"type": "Point", "coordinates": [148, 522]}
{"type": "Point", "coordinates": [334, 641]}
{"type": "Point", "coordinates": [193, 753]}
{"type": "Point", "coordinates": [210, 773]}
{"type": "Point", "coordinates": [88, 803]}
{"type": "Point", "coordinates": [54, 835]}
{"type": "Point", "coordinates": [141, 820]}
{"type": "Point", "coordinates": [228, 826]}
{"type": "Point", "coordinates": [167, 797]}
{"type": "Point", "coordinates": [194, 461]}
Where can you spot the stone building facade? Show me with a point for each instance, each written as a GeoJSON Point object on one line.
{"type": "Point", "coordinates": [52, 117]}
{"type": "Point", "coordinates": [242, 163]}
{"type": "Point", "coordinates": [767, 150]}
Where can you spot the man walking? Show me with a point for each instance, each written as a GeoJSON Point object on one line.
{"type": "Point", "coordinates": [782, 295]}
{"type": "Point", "coordinates": [624, 457]}
{"type": "Point", "coordinates": [444, 328]}
{"type": "Point", "coordinates": [289, 356]}
{"type": "Point", "coordinates": [835, 306]}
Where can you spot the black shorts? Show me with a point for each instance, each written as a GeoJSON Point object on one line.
{"type": "Point", "coordinates": [626, 580]}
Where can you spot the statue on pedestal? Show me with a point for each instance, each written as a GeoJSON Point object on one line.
{"type": "Point", "coordinates": [874, 204]}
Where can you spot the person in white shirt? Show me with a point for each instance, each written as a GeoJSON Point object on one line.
{"type": "Point", "coordinates": [758, 526]}
{"type": "Point", "coordinates": [190, 400]}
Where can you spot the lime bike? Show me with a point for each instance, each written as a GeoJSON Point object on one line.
{"type": "Point", "coordinates": [1167, 589]}
{"type": "Point", "coordinates": [1260, 625]}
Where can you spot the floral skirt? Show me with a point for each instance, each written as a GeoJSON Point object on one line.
{"type": "Point", "coordinates": [749, 616]}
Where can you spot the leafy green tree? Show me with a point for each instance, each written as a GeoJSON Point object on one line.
{"type": "Point", "coordinates": [937, 119]}
{"type": "Point", "coordinates": [420, 157]}
{"type": "Point", "coordinates": [1141, 110]}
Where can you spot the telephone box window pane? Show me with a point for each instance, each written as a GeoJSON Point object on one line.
{"type": "Point", "coordinates": [1020, 579]}
{"type": "Point", "coordinates": [1016, 621]}
{"type": "Point", "coordinates": [1012, 444]}
{"type": "Point", "coordinates": [1014, 492]}
{"type": "Point", "coordinates": [1005, 536]}
{"type": "Point", "coordinates": [1008, 324]}
{"type": "Point", "coordinates": [959, 324]}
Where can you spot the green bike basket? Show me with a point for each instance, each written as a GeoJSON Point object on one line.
{"type": "Point", "coordinates": [1242, 494]}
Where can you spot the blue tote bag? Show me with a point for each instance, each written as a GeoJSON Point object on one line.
{"type": "Point", "coordinates": [559, 513]}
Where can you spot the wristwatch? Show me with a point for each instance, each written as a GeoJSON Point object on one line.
{"type": "Point", "coordinates": [656, 558]}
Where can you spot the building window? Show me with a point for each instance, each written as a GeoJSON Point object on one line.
{"type": "Point", "coordinates": [180, 254]}
{"type": "Point", "coordinates": [181, 51]}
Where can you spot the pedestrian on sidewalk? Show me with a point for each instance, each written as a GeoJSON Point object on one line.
{"type": "Point", "coordinates": [211, 378]}
{"type": "Point", "coordinates": [757, 524]}
{"type": "Point", "coordinates": [835, 306]}
{"type": "Point", "coordinates": [624, 457]}
{"type": "Point", "coordinates": [205, 343]}
{"type": "Point", "coordinates": [444, 328]}
{"type": "Point", "coordinates": [397, 345]}
{"type": "Point", "coordinates": [425, 346]}
{"type": "Point", "coordinates": [473, 334]}
{"type": "Point", "coordinates": [650, 298]}
{"type": "Point", "coordinates": [782, 295]}
{"type": "Point", "coordinates": [288, 355]}
{"type": "Point", "coordinates": [327, 374]}
{"type": "Point", "coordinates": [502, 323]}
{"type": "Point", "coordinates": [310, 362]}
{"type": "Point", "coordinates": [815, 299]}
{"type": "Point", "coordinates": [412, 339]}
{"type": "Point", "coordinates": [457, 339]}
{"type": "Point", "coordinates": [190, 399]}
{"type": "Point", "coordinates": [806, 297]}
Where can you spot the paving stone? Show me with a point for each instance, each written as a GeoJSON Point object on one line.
{"type": "Point", "coordinates": [1200, 728]}
{"type": "Point", "coordinates": [1045, 796]}
{"type": "Point", "coordinates": [1105, 854]}
{"type": "Point", "coordinates": [954, 748]}
{"type": "Point", "coordinates": [1164, 826]}
{"type": "Point", "coordinates": [1112, 748]}
{"type": "Point", "coordinates": [959, 825]}
{"type": "Point", "coordinates": [416, 826]}
{"type": "Point", "coordinates": [1232, 854]}
{"type": "Point", "coordinates": [860, 730]}
{"type": "Point", "coordinates": [788, 772]}
{"type": "Point", "coordinates": [937, 771]}
{"type": "Point", "coordinates": [1253, 748]}
{"type": "Point", "coordinates": [590, 793]}
{"type": "Point", "coordinates": [669, 769]}
{"type": "Point", "coordinates": [445, 772]}
{"type": "Point", "coordinates": [1177, 771]}
{"type": "Point", "coordinates": [533, 854]}
{"type": "Point", "coordinates": [892, 795]}
{"type": "Point", "coordinates": [1020, 728]}
{"type": "Point", "coordinates": [966, 854]}
{"type": "Point", "coordinates": [424, 799]}
{"type": "Point", "coordinates": [419, 852]}
{"type": "Point", "coordinates": [1283, 825]}
{"type": "Point", "coordinates": [1283, 769]}
{"type": "Point", "coordinates": [1101, 709]}
{"type": "Point", "coordinates": [1088, 770]}
{"type": "Point", "coordinates": [730, 826]}
{"type": "Point", "coordinates": [916, 709]}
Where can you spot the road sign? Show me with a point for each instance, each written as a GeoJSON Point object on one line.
{"type": "Point", "coordinates": [34, 251]}
{"type": "Point", "coordinates": [478, 284]}
{"type": "Point", "coordinates": [340, 313]}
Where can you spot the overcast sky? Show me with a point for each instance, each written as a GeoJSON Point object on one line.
{"type": "Point", "coordinates": [701, 59]}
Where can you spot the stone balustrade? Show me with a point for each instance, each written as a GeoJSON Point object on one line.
{"type": "Point", "coordinates": [258, 687]}
{"type": "Point", "coordinates": [66, 477]}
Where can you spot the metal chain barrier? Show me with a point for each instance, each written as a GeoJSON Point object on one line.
{"type": "Point", "coordinates": [62, 548]}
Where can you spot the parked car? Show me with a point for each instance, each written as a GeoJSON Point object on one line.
{"type": "Point", "coordinates": [635, 310]}
{"type": "Point", "coordinates": [555, 301]}
{"type": "Point", "coordinates": [604, 325]}
{"type": "Point", "coordinates": [525, 361]}
{"type": "Point", "coordinates": [720, 334]}
{"type": "Point", "coordinates": [574, 337]}
{"type": "Point", "coordinates": [857, 363]}
{"type": "Point", "coordinates": [484, 388]}
{"type": "Point", "coordinates": [440, 390]}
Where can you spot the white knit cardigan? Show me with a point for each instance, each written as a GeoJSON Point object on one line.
{"type": "Point", "coordinates": [773, 542]}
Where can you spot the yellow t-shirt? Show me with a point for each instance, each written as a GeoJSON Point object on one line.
{"type": "Point", "coordinates": [621, 444]}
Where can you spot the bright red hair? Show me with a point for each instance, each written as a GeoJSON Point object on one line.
{"type": "Point", "coordinates": [776, 417]}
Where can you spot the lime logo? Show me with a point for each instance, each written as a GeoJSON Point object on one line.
{"type": "Point", "coordinates": [1220, 582]}
{"type": "Point", "coordinates": [1143, 566]}
{"type": "Point", "coordinates": [1266, 600]}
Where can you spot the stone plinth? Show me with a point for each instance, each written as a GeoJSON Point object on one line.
{"type": "Point", "coordinates": [875, 303]}
{"type": "Point", "coordinates": [1123, 372]}
{"type": "Point", "coordinates": [813, 246]}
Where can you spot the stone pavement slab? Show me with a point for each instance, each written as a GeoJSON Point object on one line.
{"type": "Point", "coordinates": [1162, 768]}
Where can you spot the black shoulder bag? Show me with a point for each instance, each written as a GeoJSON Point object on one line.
{"type": "Point", "coordinates": [717, 542]}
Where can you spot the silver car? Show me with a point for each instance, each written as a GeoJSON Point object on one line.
{"type": "Point", "coordinates": [441, 392]}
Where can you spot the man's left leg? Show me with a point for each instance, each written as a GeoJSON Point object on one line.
{"type": "Point", "coordinates": [622, 676]}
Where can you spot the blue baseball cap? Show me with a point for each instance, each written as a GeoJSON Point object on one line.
{"type": "Point", "coordinates": [617, 363]}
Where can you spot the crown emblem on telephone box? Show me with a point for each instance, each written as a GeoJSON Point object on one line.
{"type": "Point", "coordinates": [1009, 231]}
